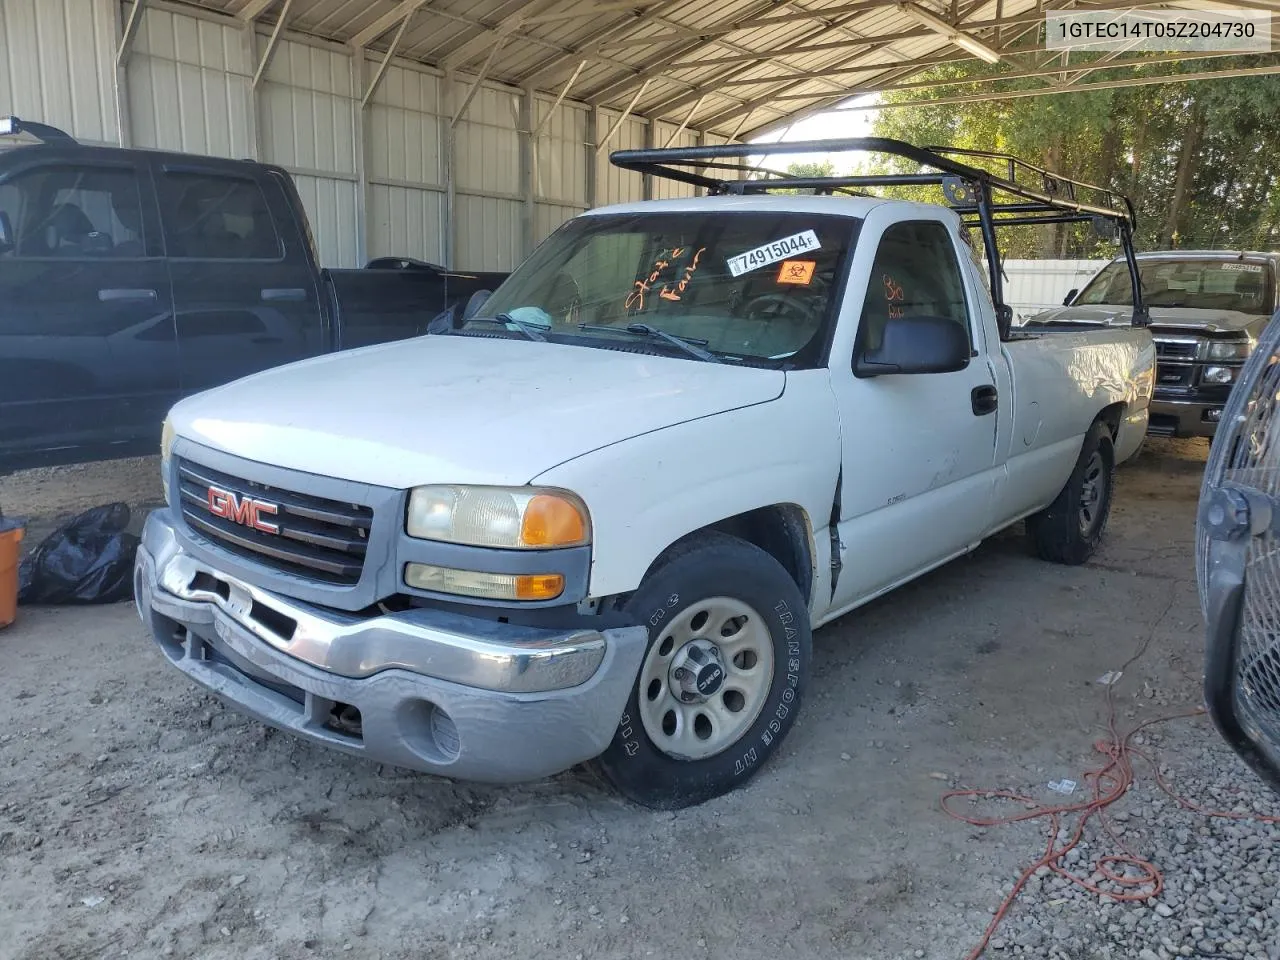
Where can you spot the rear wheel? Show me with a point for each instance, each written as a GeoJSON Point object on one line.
{"type": "Point", "coordinates": [720, 684]}
{"type": "Point", "coordinates": [1070, 529]}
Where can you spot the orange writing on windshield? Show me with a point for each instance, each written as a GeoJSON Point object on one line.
{"type": "Point", "coordinates": [797, 271]}
{"type": "Point", "coordinates": [669, 291]}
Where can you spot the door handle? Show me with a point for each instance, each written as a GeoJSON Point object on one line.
{"type": "Point", "coordinates": [106, 296]}
{"type": "Point", "coordinates": [284, 293]}
{"type": "Point", "coordinates": [984, 399]}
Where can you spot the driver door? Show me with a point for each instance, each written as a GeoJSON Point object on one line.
{"type": "Point", "coordinates": [918, 450]}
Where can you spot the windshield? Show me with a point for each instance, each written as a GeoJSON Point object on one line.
{"type": "Point", "coordinates": [741, 286]}
{"type": "Point", "coordinates": [1197, 284]}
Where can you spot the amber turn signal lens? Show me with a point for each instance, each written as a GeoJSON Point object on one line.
{"type": "Point", "coordinates": [539, 586]}
{"type": "Point", "coordinates": [551, 521]}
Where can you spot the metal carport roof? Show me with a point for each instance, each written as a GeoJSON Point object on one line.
{"type": "Point", "coordinates": [732, 67]}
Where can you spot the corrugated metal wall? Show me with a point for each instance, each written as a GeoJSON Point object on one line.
{"type": "Point", "coordinates": [188, 85]}
{"type": "Point", "coordinates": [406, 169]}
{"type": "Point", "coordinates": [56, 64]}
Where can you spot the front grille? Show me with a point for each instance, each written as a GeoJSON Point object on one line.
{"type": "Point", "coordinates": [1176, 349]}
{"type": "Point", "coordinates": [1174, 374]}
{"type": "Point", "coordinates": [318, 538]}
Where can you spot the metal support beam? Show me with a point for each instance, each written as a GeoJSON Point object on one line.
{"type": "Point", "coordinates": [386, 61]}
{"type": "Point", "coordinates": [273, 44]}
{"type": "Point", "coordinates": [528, 168]}
{"type": "Point", "coordinates": [120, 74]}
{"type": "Point", "coordinates": [253, 112]}
{"type": "Point", "coordinates": [125, 48]}
{"type": "Point", "coordinates": [363, 231]}
{"type": "Point", "coordinates": [475, 85]}
{"type": "Point", "coordinates": [685, 122]}
{"type": "Point", "coordinates": [254, 9]}
{"type": "Point", "coordinates": [1261, 71]}
{"type": "Point", "coordinates": [600, 147]}
{"type": "Point", "coordinates": [564, 92]}
{"type": "Point", "coordinates": [450, 231]}
{"type": "Point", "coordinates": [593, 160]}
{"type": "Point", "coordinates": [385, 23]}
{"type": "Point", "coordinates": [650, 141]}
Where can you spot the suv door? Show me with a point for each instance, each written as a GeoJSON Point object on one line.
{"type": "Point", "coordinates": [919, 450]}
{"type": "Point", "coordinates": [244, 291]}
{"type": "Point", "coordinates": [87, 345]}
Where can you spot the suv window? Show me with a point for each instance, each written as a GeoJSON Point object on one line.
{"type": "Point", "coordinates": [915, 274]}
{"type": "Point", "coordinates": [211, 217]}
{"type": "Point", "coordinates": [73, 212]}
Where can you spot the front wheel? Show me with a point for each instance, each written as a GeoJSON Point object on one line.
{"type": "Point", "coordinates": [1070, 529]}
{"type": "Point", "coordinates": [720, 684]}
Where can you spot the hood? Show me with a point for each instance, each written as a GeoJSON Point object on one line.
{"type": "Point", "coordinates": [453, 409]}
{"type": "Point", "coordinates": [1183, 318]}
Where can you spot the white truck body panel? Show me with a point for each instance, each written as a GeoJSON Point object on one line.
{"type": "Point", "coordinates": [659, 447]}
{"type": "Point", "coordinates": [454, 410]}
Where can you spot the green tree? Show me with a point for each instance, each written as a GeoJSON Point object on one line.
{"type": "Point", "coordinates": [1200, 161]}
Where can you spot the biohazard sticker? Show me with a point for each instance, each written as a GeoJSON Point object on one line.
{"type": "Point", "coordinates": [799, 272]}
{"type": "Point", "coordinates": [771, 253]}
{"type": "Point", "coordinates": [1243, 267]}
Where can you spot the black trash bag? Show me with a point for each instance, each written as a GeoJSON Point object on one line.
{"type": "Point", "coordinates": [87, 560]}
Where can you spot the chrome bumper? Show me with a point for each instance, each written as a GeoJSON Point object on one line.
{"type": "Point", "coordinates": [435, 691]}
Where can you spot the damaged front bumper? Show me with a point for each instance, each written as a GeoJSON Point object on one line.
{"type": "Point", "coordinates": [430, 690]}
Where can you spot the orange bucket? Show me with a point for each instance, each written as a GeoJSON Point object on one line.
{"type": "Point", "coordinates": [10, 541]}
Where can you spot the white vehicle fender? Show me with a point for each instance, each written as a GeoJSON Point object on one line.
{"type": "Point", "coordinates": [647, 492]}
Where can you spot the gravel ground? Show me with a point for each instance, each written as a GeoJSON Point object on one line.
{"type": "Point", "coordinates": [139, 818]}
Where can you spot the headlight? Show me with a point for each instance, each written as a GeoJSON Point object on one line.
{"type": "Point", "coordinates": [1218, 374]}
{"type": "Point", "coordinates": [166, 449]}
{"type": "Point", "coordinates": [1229, 350]}
{"type": "Point", "coordinates": [521, 518]}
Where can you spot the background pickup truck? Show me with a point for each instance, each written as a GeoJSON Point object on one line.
{"type": "Point", "coordinates": [1208, 309]}
{"type": "Point", "coordinates": [131, 278]}
{"type": "Point", "coordinates": [679, 437]}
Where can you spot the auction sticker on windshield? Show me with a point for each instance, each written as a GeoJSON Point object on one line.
{"type": "Point", "coordinates": [774, 252]}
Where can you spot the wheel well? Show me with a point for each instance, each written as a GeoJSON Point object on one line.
{"type": "Point", "coordinates": [1111, 416]}
{"type": "Point", "coordinates": [782, 531]}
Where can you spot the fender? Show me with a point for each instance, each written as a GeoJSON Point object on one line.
{"type": "Point", "coordinates": [647, 492]}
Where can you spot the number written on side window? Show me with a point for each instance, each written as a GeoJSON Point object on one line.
{"type": "Point", "coordinates": [71, 212]}
{"type": "Point", "coordinates": [217, 218]}
{"type": "Point", "coordinates": [916, 274]}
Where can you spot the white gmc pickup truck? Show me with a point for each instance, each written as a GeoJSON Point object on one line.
{"type": "Point", "coordinates": [598, 516]}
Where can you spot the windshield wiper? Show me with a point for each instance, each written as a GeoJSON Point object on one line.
{"type": "Point", "coordinates": [530, 330]}
{"type": "Point", "coordinates": [690, 345]}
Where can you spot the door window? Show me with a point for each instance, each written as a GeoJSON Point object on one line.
{"type": "Point", "coordinates": [74, 212]}
{"type": "Point", "coordinates": [916, 274]}
{"type": "Point", "coordinates": [209, 217]}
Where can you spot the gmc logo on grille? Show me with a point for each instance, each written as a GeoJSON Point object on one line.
{"type": "Point", "coordinates": [243, 510]}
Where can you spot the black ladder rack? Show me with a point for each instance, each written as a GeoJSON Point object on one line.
{"type": "Point", "coordinates": [1022, 194]}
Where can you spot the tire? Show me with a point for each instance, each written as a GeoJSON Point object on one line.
{"type": "Point", "coordinates": [1068, 531]}
{"type": "Point", "coordinates": [668, 753]}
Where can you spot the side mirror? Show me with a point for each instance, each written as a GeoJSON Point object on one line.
{"type": "Point", "coordinates": [6, 233]}
{"type": "Point", "coordinates": [1066, 301]}
{"type": "Point", "coordinates": [917, 345]}
{"type": "Point", "coordinates": [474, 304]}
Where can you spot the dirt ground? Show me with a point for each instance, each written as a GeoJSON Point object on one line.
{"type": "Point", "coordinates": [139, 818]}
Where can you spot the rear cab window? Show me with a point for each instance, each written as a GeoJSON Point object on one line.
{"type": "Point", "coordinates": [749, 286]}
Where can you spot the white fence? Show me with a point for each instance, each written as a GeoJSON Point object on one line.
{"type": "Point", "coordinates": [1035, 285]}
